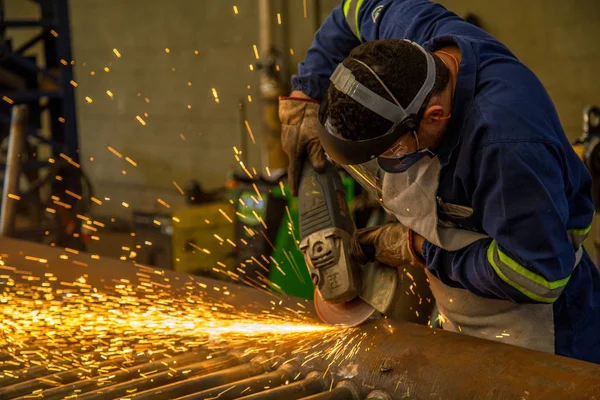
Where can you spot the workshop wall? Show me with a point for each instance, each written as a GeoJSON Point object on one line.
{"type": "Point", "coordinates": [188, 135]}
{"type": "Point", "coordinates": [556, 39]}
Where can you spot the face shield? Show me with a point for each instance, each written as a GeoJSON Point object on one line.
{"type": "Point", "coordinates": [366, 160]}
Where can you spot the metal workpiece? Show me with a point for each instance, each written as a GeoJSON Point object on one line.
{"type": "Point", "coordinates": [14, 164]}
{"type": "Point", "coordinates": [234, 390]}
{"type": "Point", "coordinates": [344, 390]}
{"type": "Point", "coordinates": [65, 377]}
{"type": "Point", "coordinates": [205, 381]}
{"type": "Point", "coordinates": [378, 395]}
{"type": "Point", "coordinates": [169, 371]}
{"type": "Point", "coordinates": [121, 374]}
{"type": "Point", "coordinates": [313, 383]}
{"type": "Point", "coordinates": [381, 359]}
{"type": "Point", "coordinates": [412, 361]}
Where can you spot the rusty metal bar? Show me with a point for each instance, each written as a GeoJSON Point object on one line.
{"type": "Point", "coordinates": [313, 383]}
{"type": "Point", "coordinates": [121, 375]}
{"type": "Point", "coordinates": [399, 358]}
{"type": "Point", "coordinates": [163, 378]}
{"type": "Point", "coordinates": [24, 388]}
{"type": "Point", "coordinates": [234, 390]}
{"type": "Point", "coordinates": [25, 374]}
{"type": "Point", "coordinates": [21, 373]}
{"type": "Point", "coordinates": [339, 393]}
{"type": "Point", "coordinates": [257, 366]}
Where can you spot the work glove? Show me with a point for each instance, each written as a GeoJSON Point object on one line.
{"type": "Point", "coordinates": [390, 244]}
{"type": "Point", "coordinates": [299, 124]}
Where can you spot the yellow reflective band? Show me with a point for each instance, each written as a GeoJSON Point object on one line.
{"type": "Point", "coordinates": [578, 236]}
{"type": "Point", "coordinates": [581, 232]}
{"type": "Point", "coordinates": [356, 19]}
{"type": "Point", "coordinates": [528, 274]}
{"type": "Point", "coordinates": [347, 7]}
{"type": "Point", "coordinates": [523, 272]}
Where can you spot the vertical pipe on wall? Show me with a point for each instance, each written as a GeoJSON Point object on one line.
{"type": "Point", "coordinates": [270, 88]}
{"type": "Point", "coordinates": [14, 164]}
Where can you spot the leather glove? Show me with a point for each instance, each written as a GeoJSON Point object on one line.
{"type": "Point", "coordinates": [299, 119]}
{"type": "Point", "coordinates": [389, 244]}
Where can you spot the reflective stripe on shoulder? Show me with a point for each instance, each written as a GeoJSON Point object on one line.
{"type": "Point", "coordinates": [525, 281]}
{"type": "Point", "coordinates": [351, 9]}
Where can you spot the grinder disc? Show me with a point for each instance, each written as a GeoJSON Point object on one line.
{"type": "Point", "coordinates": [352, 313]}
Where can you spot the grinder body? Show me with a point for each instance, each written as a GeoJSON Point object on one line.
{"type": "Point", "coordinates": [346, 293]}
{"type": "Point", "coordinates": [326, 230]}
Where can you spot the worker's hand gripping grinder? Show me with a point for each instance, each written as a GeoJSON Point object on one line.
{"type": "Point", "coordinates": [346, 293]}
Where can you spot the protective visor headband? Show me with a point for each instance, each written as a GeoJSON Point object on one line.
{"type": "Point", "coordinates": [351, 152]}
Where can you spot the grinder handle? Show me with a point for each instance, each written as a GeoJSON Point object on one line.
{"type": "Point", "coordinates": [322, 201]}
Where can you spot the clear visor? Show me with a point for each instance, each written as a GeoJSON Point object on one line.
{"type": "Point", "coordinates": [405, 145]}
{"type": "Point", "coordinates": [368, 175]}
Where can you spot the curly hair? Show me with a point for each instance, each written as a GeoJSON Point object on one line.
{"type": "Point", "coordinates": [401, 66]}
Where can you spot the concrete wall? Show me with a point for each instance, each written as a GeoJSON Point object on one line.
{"type": "Point", "coordinates": [557, 39]}
{"type": "Point", "coordinates": [141, 30]}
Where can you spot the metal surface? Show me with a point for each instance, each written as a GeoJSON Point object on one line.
{"type": "Point", "coordinates": [236, 389]}
{"type": "Point", "coordinates": [344, 390]}
{"type": "Point", "coordinates": [14, 165]}
{"type": "Point", "coordinates": [396, 359]}
{"type": "Point", "coordinates": [312, 384]}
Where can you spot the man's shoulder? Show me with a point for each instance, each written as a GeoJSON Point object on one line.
{"type": "Point", "coordinates": [515, 108]}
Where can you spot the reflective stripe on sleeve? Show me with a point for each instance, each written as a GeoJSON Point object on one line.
{"type": "Point", "coordinates": [578, 236]}
{"type": "Point", "coordinates": [525, 281]}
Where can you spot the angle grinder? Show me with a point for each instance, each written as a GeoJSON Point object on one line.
{"type": "Point", "coordinates": [346, 293]}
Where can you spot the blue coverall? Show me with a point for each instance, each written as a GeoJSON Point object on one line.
{"type": "Point", "coordinates": [504, 154]}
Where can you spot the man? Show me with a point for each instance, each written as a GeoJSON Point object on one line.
{"type": "Point", "coordinates": [468, 153]}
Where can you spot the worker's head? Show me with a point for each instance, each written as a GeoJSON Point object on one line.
{"type": "Point", "coordinates": [395, 70]}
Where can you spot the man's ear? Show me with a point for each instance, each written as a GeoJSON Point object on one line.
{"type": "Point", "coordinates": [433, 113]}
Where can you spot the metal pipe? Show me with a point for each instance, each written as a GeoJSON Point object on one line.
{"type": "Point", "coordinates": [12, 174]}
{"type": "Point", "coordinates": [378, 395]}
{"type": "Point", "coordinates": [170, 376]}
{"type": "Point", "coordinates": [339, 393]}
{"type": "Point", "coordinates": [121, 375]}
{"type": "Point", "coordinates": [313, 383]}
{"type": "Point", "coordinates": [205, 381]}
{"type": "Point", "coordinates": [271, 88]}
{"type": "Point", "coordinates": [283, 33]}
{"type": "Point", "coordinates": [265, 24]}
{"type": "Point", "coordinates": [243, 133]}
{"type": "Point", "coordinates": [316, 15]}
{"type": "Point", "coordinates": [413, 360]}
{"type": "Point", "coordinates": [233, 390]}
{"type": "Point", "coordinates": [24, 388]}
